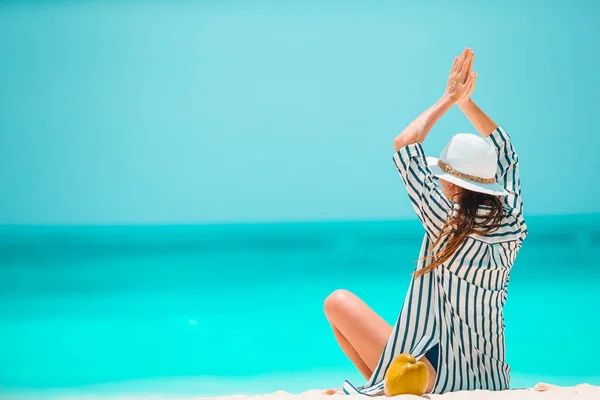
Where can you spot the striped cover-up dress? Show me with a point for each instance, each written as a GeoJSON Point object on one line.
{"type": "Point", "coordinates": [457, 306]}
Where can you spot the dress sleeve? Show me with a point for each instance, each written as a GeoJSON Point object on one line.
{"type": "Point", "coordinates": [507, 174]}
{"type": "Point", "coordinates": [425, 194]}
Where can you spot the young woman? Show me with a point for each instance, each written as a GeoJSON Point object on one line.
{"type": "Point", "coordinates": [469, 202]}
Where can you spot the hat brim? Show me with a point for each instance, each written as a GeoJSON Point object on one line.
{"type": "Point", "coordinates": [488, 188]}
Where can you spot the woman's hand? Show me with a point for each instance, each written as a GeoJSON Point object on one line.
{"type": "Point", "coordinates": [467, 96]}
{"type": "Point", "coordinates": [480, 120]}
{"type": "Point", "coordinates": [461, 80]}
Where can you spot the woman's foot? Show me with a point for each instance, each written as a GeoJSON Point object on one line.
{"type": "Point", "coordinates": [544, 387]}
{"type": "Point", "coordinates": [331, 392]}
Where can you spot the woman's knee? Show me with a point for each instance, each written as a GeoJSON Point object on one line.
{"type": "Point", "coordinates": [337, 301]}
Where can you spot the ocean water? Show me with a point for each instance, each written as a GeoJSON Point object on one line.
{"type": "Point", "coordinates": [199, 311]}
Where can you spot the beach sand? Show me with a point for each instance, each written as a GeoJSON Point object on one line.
{"type": "Point", "coordinates": [583, 391]}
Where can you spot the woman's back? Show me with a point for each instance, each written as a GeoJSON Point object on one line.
{"type": "Point", "coordinates": [458, 304]}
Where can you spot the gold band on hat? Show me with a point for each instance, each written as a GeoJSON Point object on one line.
{"type": "Point", "coordinates": [448, 169]}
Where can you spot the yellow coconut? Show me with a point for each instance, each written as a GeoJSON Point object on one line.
{"type": "Point", "coordinates": [406, 375]}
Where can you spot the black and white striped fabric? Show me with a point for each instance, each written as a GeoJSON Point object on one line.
{"type": "Point", "coordinates": [458, 305]}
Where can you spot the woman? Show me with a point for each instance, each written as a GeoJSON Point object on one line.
{"type": "Point", "coordinates": [469, 202]}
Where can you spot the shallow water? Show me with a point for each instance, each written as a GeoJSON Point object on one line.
{"type": "Point", "coordinates": [190, 311]}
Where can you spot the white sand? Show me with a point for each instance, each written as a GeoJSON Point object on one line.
{"type": "Point", "coordinates": [579, 392]}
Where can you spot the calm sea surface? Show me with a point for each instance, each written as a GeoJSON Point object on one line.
{"type": "Point", "coordinates": [184, 311]}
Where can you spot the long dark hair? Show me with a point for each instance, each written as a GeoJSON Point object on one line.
{"type": "Point", "coordinates": [466, 221]}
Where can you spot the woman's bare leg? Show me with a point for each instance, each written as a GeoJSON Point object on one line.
{"type": "Point", "coordinates": [361, 332]}
{"type": "Point", "coordinates": [352, 354]}
{"type": "Point", "coordinates": [432, 374]}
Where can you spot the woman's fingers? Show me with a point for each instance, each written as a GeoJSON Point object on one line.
{"type": "Point", "coordinates": [470, 83]}
{"type": "Point", "coordinates": [465, 63]}
{"type": "Point", "coordinates": [474, 81]}
{"type": "Point", "coordinates": [458, 62]}
{"type": "Point", "coordinates": [472, 86]}
{"type": "Point", "coordinates": [461, 61]}
{"type": "Point", "coordinates": [454, 65]}
{"type": "Point", "coordinates": [465, 55]}
{"type": "Point", "coordinates": [470, 64]}
{"type": "Point", "coordinates": [471, 79]}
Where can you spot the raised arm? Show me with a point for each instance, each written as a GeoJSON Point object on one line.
{"type": "Point", "coordinates": [479, 119]}
{"type": "Point", "coordinates": [507, 174]}
{"type": "Point", "coordinates": [430, 204]}
{"type": "Point", "coordinates": [459, 81]}
{"type": "Point", "coordinates": [417, 131]}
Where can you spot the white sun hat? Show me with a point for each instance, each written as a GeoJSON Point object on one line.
{"type": "Point", "coordinates": [468, 161]}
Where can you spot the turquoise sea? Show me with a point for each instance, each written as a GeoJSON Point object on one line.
{"type": "Point", "coordinates": [193, 311]}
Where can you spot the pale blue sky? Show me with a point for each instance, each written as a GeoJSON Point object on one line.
{"type": "Point", "coordinates": [183, 112]}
